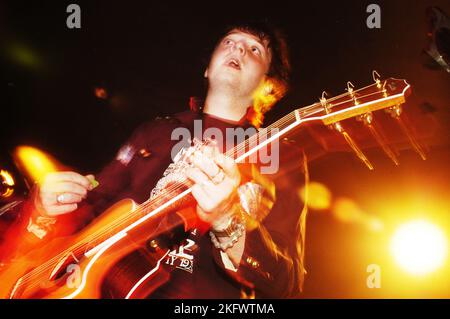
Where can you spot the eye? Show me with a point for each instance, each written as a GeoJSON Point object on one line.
{"type": "Point", "coordinates": [256, 50]}
{"type": "Point", "coordinates": [227, 41]}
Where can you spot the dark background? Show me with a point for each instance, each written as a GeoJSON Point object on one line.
{"type": "Point", "coordinates": [150, 58]}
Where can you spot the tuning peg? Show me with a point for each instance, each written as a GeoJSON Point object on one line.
{"type": "Point", "coordinates": [351, 92]}
{"type": "Point", "coordinates": [378, 135]}
{"type": "Point", "coordinates": [376, 78]}
{"type": "Point", "coordinates": [350, 88]}
{"type": "Point", "coordinates": [324, 102]}
{"type": "Point", "coordinates": [338, 127]}
{"type": "Point", "coordinates": [396, 112]}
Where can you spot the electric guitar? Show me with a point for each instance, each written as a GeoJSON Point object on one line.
{"type": "Point", "coordinates": [48, 271]}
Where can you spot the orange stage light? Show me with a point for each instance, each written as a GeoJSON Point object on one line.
{"type": "Point", "coordinates": [101, 93]}
{"type": "Point", "coordinates": [34, 163]}
{"type": "Point", "coordinates": [8, 182]}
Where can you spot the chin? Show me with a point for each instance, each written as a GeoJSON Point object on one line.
{"type": "Point", "coordinates": [227, 80]}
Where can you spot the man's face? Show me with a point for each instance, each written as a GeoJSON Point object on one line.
{"type": "Point", "coordinates": [240, 62]}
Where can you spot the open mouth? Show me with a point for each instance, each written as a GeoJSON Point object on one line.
{"type": "Point", "coordinates": [234, 63]}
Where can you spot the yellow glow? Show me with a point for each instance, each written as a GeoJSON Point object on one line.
{"type": "Point", "coordinates": [7, 178]}
{"type": "Point", "coordinates": [23, 55]}
{"type": "Point", "coordinates": [319, 196]}
{"type": "Point", "coordinates": [419, 247]}
{"type": "Point", "coordinates": [8, 193]}
{"type": "Point", "coordinates": [346, 210]}
{"type": "Point", "coordinates": [265, 96]}
{"type": "Point", "coordinates": [35, 162]}
{"type": "Point", "coordinates": [375, 224]}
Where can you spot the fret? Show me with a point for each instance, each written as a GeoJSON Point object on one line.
{"type": "Point", "coordinates": [353, 104]}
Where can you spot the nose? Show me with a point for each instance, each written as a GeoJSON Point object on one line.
{"type": "Point", "coordinates": [240, 47]}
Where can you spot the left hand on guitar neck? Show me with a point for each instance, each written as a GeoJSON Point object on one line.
{"type": "Point", "coordinates": [216, 179]}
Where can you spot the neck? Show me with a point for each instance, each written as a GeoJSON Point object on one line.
{"type": "Point", "coordinates": [225, 106]}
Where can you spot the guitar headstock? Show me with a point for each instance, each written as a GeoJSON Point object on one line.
{"type": "Point", "coordinates": [360, 104]}
{"type": "Point", "coordinates": [383, 94]}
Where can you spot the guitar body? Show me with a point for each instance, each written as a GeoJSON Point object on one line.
{"type": "Point", "coordinates": [80, 274]}
{"type": "Point", "coordinates": [109, 258]}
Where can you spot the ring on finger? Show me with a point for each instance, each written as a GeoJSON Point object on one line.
{"type": "Point", "coordinates": [60, 198]}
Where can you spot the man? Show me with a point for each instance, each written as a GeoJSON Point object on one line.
{"type": "Point", "coordinates": [229, 260]}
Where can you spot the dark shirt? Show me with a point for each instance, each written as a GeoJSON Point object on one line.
{"type": "Point", "coordinates": [142, 161]}
{"type": "Point", "coordinates": [138, 166]}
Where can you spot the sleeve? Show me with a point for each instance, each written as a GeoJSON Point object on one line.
{"type": "Point", "coordinates": [113, 179]}
{"type": "Point", "coordinates": [18, 237]}
{"type": "Point", "coordinates": [271, 264]}
{"type": "Point", "coordinates": [270, 256]}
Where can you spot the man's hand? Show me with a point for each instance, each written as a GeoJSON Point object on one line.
{"type": "Point", "coordinates": [216, 179]}
{"type": "Point", "coordinates": [60, 192]}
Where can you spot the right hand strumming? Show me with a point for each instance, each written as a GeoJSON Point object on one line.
{"type": "Point", "coordinates": [60, 192]}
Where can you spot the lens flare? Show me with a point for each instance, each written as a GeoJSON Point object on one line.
{"type": "Point", "coordinates": [101, 93]}
{"type": "Point", "coordinates": [265, 96]}
{"type": "Point", "coordinates": [319, 196]}
{"type": "Point", "coordinates": [23, 55]}
{"type": "Point", "coordinates": [7, 183]}
{"type": "Point", "coordinates": [419, 247]}
{"type": "Point", "coordinates": [34, 163]}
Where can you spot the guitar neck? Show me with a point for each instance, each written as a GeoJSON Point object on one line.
{"type": "Point", "coordinates": [380, 95]}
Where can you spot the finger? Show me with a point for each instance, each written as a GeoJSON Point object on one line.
{"type": "Point", "coordinates": [203, 181]}
{"type": "Point", "coordinates": [209, 151]}
{"type": "Point", "coordinates": [196, 175]}
{"type": "Point", "coordinates": [70, 177]}
{"type": "Point", "coordinates": [215, 151]}
{"type": "Point", "coordinates": [65, 187]}
{"type": "Point", "coordinates": [69, 198]}
{"type": "Point", "coordinates": [61, 209]}
{"type": "Point", "coordinates": [93, 182]}
{"type": "Point", "coordinates": [206, 164]}
{"type": "Point", "coordinates": [202, 198]}
{"type": "Point", "coordinates": [51, 199]}
{"type": "Point", "coordinates": [227, 164]}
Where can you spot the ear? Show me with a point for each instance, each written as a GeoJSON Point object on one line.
{"type": "Point", "coordinates": [206, 73]}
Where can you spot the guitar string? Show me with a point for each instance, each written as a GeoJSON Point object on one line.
{"type": "Point", "coordinates": [245, 142]}
{"type": "Point", "coordinates": [100, 233]}
{"type": "Point", "coordinates": [43, 268]}
{"type": "Point", "coordinates": [145, 204]}
{"type": "Point", "coordinates": [51, 263]}
{"type": "Point", "coordinates": [142, 208]}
